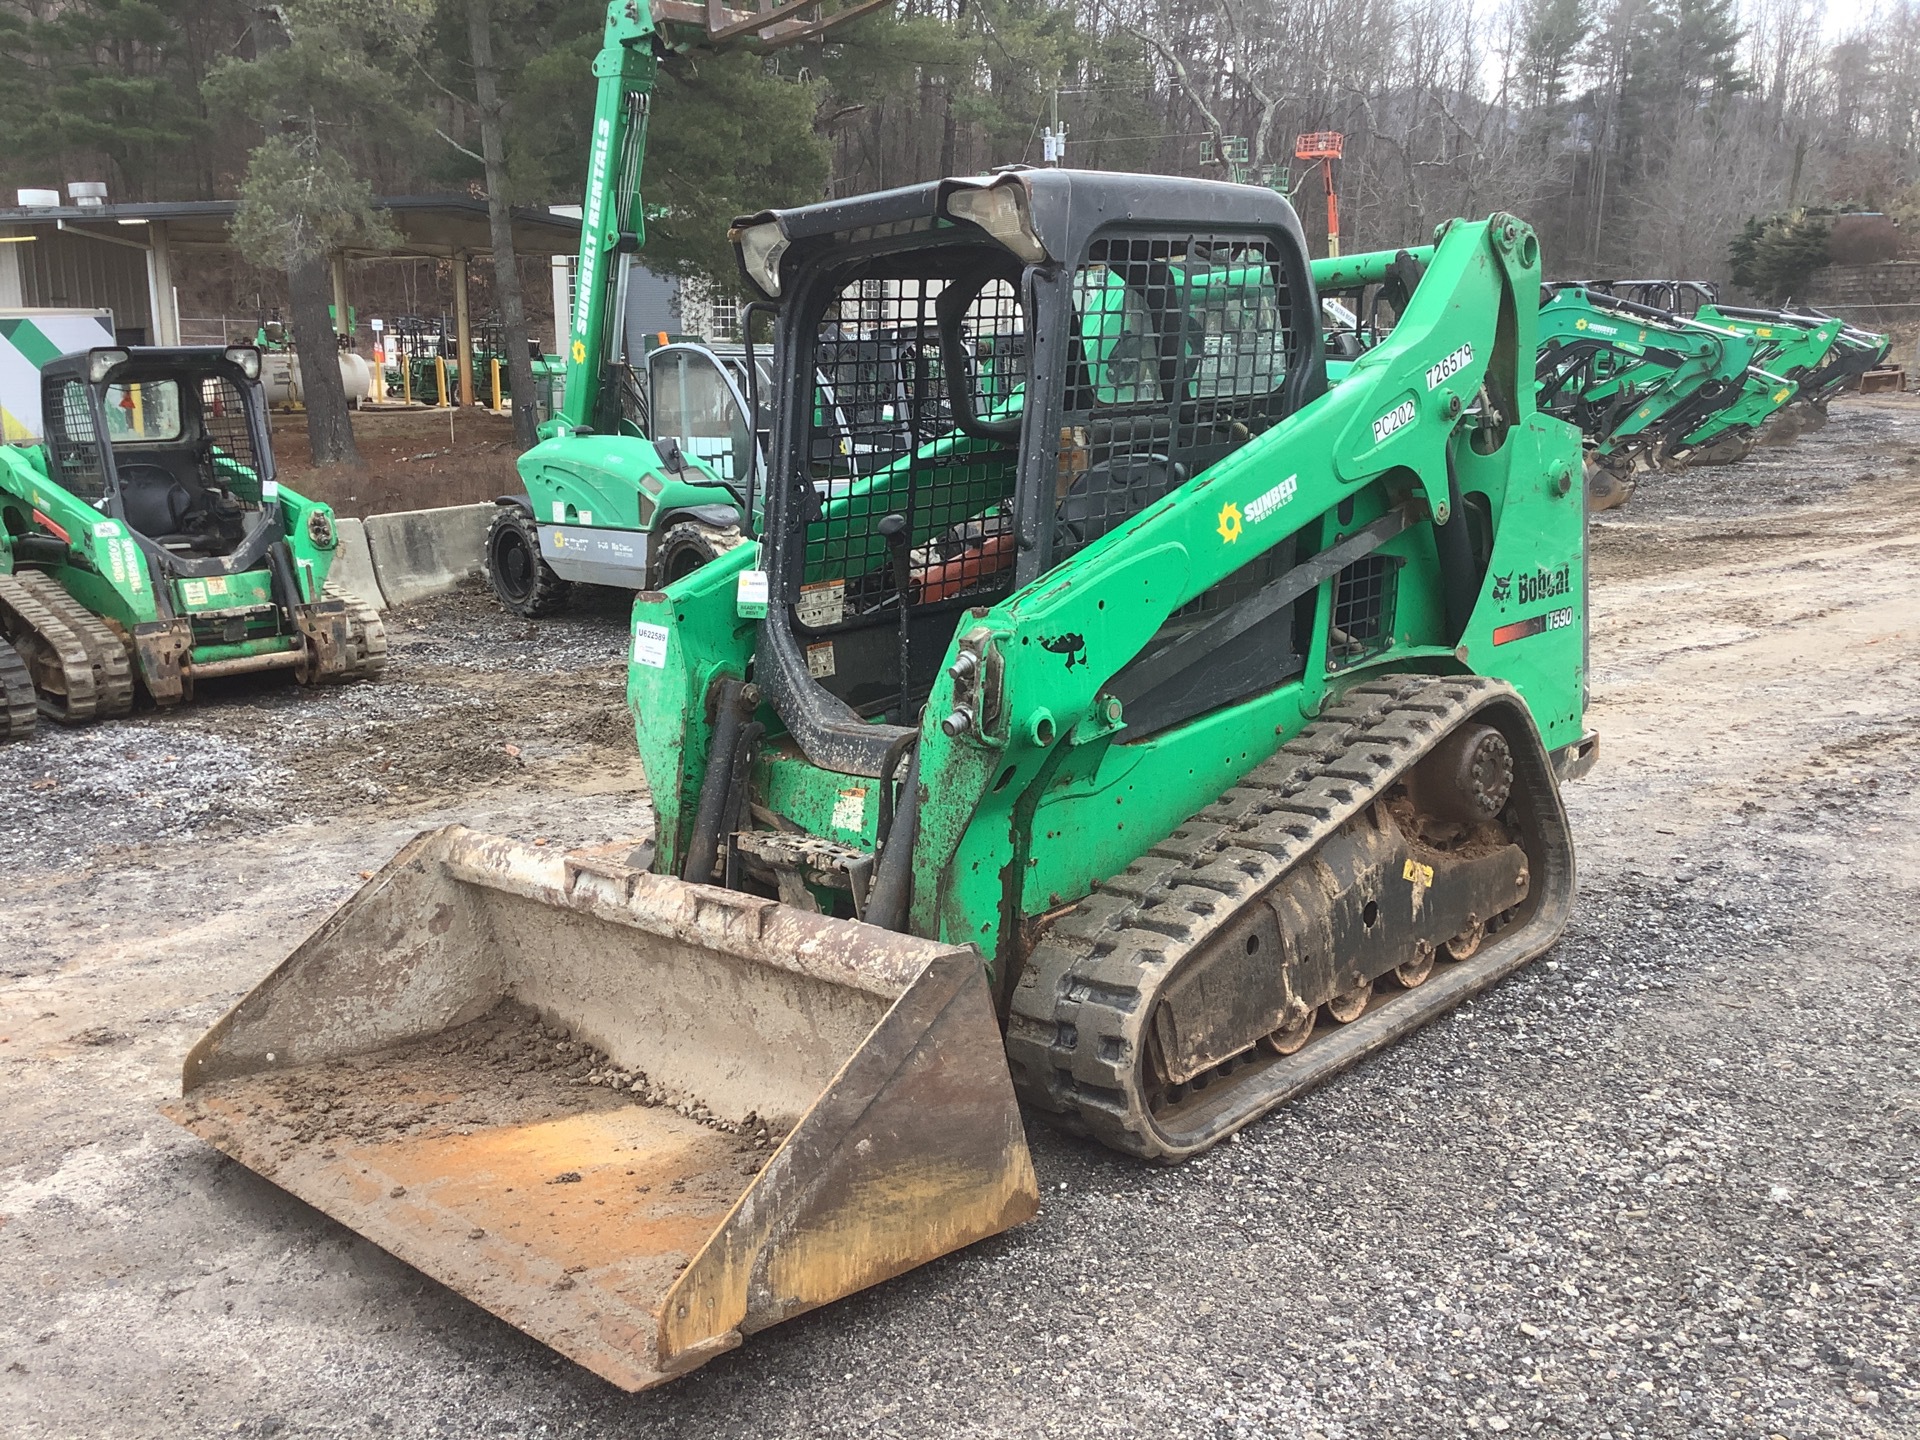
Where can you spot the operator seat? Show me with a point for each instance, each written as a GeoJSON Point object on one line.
{"type": "Point", "coordinates": [164, 498]}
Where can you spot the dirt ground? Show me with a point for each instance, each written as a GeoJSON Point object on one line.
{"type": "Point", "coordinates": [1662, 1183]}
{"type": "Point", "coordinates": [411, 460]}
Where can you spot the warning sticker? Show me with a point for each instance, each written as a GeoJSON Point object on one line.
{"type": "Point", "coordinates": [850, 810]}
{"type": "Point", "coordinates": [821, 604]}
{"type": "Point", "coordinates": [820, 660]}
{"type": "Point", "coordinates": [217, 585]}
{"type": "Point", "coordinates": [650, 646]}
{"type": "Point", "coordinates": [194, 592]}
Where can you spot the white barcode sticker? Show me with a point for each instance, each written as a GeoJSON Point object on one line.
{"type": "Point", "coordinates": [850, 811]}
{"type": "Point", "coordinates": [821, 604]}
{"type": "Point", "coordinates": [650, 646]}
{"type": "Point", "coordinates": [820, 660]}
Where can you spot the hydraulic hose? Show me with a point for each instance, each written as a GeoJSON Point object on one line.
{"type": "Point", "coordinates": [734, 703]}
{"type": "Point", "coordinates": [893, 876]}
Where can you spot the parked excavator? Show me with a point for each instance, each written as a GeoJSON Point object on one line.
{"type": "Point", "coordinates": [147, 544]}
{"type": "Point", "coordinates": [603, 503]}
{"type": "Point", "coordinates": [1165, 736]}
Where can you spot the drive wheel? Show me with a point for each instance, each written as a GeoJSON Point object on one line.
{"type": "Point", "coordinates": [524, 582]}
{"type": "Point", "coordinates": [687, 545]}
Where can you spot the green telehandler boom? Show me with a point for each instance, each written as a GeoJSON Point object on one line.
{"type": "Point", "coordinates": [604, 504]}
{"type": "Point", "coordinates": [1164, 735]}
{"type": "Point", "coordinates": [147, 542]}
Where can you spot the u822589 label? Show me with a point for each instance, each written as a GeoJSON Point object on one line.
{"type": "Point", "coordinates": [1452, 365]}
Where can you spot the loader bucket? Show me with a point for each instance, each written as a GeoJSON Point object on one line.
{"type": "Point", "coordinates": [636, 1117]}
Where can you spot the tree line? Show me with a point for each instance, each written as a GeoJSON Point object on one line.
{"type": "Point", "coordinates": [1639, 136]}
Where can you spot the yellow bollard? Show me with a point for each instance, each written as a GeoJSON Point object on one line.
{"type": "Point", "coordinates": [493, 376]}
{"type": "Point", "coordinates": [406, 377]}
{"type": "Point", "coordinates": [440, 378]}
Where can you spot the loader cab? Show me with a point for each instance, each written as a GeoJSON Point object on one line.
{"type": "Point", "coordinates": [1082, 347]}
{"type": "Point", "coordinates": [697, 397]}
{"type": "Point", "coordinates": [171, 441]}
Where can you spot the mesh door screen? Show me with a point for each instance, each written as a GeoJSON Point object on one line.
{"type": "Point", "coordinates": [1184, 343]}
{"type": "Point", "coordinates": [229, 439]}
{"type": "Point", "coordinates": [69, 421]}
{"type": "Point", "coordinates": [897, 486]}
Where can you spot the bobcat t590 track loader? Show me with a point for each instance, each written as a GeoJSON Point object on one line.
{"type": "Point", "coordinates": [1169, 733]}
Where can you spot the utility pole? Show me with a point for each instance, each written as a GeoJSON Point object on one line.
{"type": "Point", "coordinates": [1053, 146]}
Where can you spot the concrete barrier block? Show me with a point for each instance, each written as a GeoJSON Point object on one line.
{"type": "Point", "coordinates": [423, 552]}
{"type": "Point", "coordinates": [353, 564]}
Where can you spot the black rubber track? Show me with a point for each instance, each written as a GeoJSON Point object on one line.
{"type": "Point", "coordinates": [18, 704]}
{"type": "Point", "coordinates": [1077, 1027]}
{"type": "Point", "coordinates": [44, 622]}
{"type": "Point", "coordinates": [367, 634]}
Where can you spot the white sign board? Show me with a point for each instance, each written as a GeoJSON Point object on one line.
{"type": "Point", "coordinates": [28, 340]}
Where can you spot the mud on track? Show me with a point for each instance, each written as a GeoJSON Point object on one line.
{"type": "Point", "coordinates": [1662, 1183]}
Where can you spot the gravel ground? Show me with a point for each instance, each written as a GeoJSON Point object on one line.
{"type": "Point", "coordinates": [1660, 1184]}
{"type": "Point", "coordinates": [475, 699]}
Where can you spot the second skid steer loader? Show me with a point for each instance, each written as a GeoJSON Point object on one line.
{"type": "Point", "coordinates": [1166, 735]}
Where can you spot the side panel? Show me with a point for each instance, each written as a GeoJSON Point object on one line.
{"type": "Point", "coordinates": [681, 640]}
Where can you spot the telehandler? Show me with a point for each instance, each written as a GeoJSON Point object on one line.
{"type": "Point", "coordinates": [609, 498]}
{"type": "Point", "coordinates": [1169, 734]}
{"type": "Point", "coordinates": [148, 542]}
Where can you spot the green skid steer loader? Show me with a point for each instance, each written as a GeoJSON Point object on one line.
{"type": "Point", "coordinates": [1638, 382]}
{"type": "Point", "coordinates": [148, 543]}
{"type": "Point", "coordinates": [1170, 733]}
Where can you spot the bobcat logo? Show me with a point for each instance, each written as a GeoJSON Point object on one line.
{"type": "Point", "coordinates": [1502, 585]}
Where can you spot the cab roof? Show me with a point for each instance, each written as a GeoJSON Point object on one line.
{"type": "Point", "coordinates": [1064, 207]}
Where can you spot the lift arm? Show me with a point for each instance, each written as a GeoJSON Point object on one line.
{"type": "Point", "coordinates": [611, 222]}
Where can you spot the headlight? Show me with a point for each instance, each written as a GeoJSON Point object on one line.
{"type": "Point", "coordinates": [101, 363]}
{"type": "Point", "coordinates": [761, 247]}
{"type": "Point", "coordinates": [1001, 210]}
{"type": "Point", "coordinates": [320, 529]}
{"type": "Point", "coordinates": [247, 358]}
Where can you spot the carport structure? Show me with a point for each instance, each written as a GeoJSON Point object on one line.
{"type": "Point", "coordinates": [125, 257]}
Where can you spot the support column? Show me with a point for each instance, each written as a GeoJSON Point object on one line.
{"type": "Point", "coordinates": [342, 324]}
{"type": "Point", "coordinates": [462, 329]}
{"type": "Point", "coordinates": [562, 272]}
{"type": "Point", "coordinates": [162, 305]}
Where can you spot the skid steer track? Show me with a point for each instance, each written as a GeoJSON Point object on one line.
{"type": "Point", "coordinates": [79, 666]}
{"type": "Point", "coordinates": [18, 705]}
{"type": "Point", "coordinates": [1086, 1034]}
{"type": "Point", "coordinates": [366, 637]}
